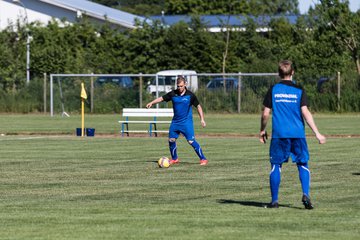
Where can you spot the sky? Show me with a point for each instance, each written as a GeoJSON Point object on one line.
{"type": "Point", "coordinates": [305, 4]}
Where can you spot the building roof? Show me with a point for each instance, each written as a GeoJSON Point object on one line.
{"type": "Point", "coordinates": [70, 10]}
{"type": "Point", "coordinates": [97, 11]}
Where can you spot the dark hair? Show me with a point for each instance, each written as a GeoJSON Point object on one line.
{"type": "Point", "coordinates": [285, 68]}
{"type": "Point", "coordinates": [181, 78]}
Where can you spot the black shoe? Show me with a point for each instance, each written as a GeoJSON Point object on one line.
{"type": "Point", "coordinates": [307, 203]}
{"type": "Point", "coordinates": [273, 205]}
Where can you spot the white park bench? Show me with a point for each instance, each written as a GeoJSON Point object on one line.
{"type": "Point", "coordinates": [153, 113]}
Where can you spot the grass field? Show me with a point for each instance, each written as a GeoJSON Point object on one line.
{"type": "Point", "coordinates": [67, 187]}
{"type": "Point", "coordinates": [229, 124]}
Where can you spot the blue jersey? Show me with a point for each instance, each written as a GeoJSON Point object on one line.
{"type": "Point", "coordinates": [182, 105]}
{"type": "Point", "coordinates": [286, 99]}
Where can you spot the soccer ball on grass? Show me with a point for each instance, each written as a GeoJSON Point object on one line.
{"type": "Point", "coordinates": [164, 162]}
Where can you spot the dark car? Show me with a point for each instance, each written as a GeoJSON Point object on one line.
{"type": "Point", "coordinates": [218, 83]}
{"type": "Point", "coordinates": [122, 81]}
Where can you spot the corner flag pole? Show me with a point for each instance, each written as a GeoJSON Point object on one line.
{"type": "Point", "coordinates": [83, 96]}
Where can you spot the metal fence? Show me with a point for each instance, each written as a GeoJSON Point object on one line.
{"type": "Point", "coordinates": [217, 92]}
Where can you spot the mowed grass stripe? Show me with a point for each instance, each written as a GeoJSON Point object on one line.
{"type": "Point", "coordinates": [111, 188]}
{"type": "Point", "coordinates": [217, 124]}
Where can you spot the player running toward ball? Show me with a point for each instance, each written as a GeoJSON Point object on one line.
{"type": "Point", "coordinates": [182, 122]}
{"type": "Point", "coordinates": [289, 105]}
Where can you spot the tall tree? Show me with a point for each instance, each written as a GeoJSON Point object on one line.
{"type": "Point", "coordinates": [277, 6]}
{"type": "Point", "coordinates": [342, 25]}
{"type": "Point", "coordinates": [253, 7]}
{"type": "Point", "coordinates": [12, 64]}
{"type": "Point", "coordinates": [138, 7]}
{"type": "Point", "coordinates": [174, 7]}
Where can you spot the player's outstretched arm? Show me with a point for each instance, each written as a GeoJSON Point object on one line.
{"type": "Point", "coordinates": [201, 115]}
{"type": "Point", "coordinates": [264, 119]}
{"type": "Point", "coordinates": [311, 123]}
{"type": "Point", "coordinates": [155, 101]}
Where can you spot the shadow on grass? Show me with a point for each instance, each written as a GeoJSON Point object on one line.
{"type": "Point", "coordinates": [253, 203]}
{"type": "Point", "coordinates": [356, 173]}
{"type": "Point", "coordinates": [182, 163]}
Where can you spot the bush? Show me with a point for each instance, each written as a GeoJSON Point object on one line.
{"type": "Point", "coordinates": [27, 99]}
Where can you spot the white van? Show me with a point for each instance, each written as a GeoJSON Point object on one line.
{"type": "Point", "coordinates": [167, 81]}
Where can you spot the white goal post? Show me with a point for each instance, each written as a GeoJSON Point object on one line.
{"type": "Point", "coordinates": [90, 76]}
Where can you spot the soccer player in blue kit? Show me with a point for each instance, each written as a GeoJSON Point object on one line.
{"type": "Point", "coordinates": [182, 122]}
{"type": "Point", "coordinates": [289, 105]}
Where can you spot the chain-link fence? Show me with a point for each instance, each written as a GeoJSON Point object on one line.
{"type": "Point", "coordinates": [110, 93]}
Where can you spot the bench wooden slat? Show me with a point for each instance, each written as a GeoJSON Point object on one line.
{"type": "Point", "coordinates": [136, 131]}
{"type": "Point", "coordinates": [160, 122]}
{"type": "Point", "coordinates": [148, 110]}
{"type": "Point", "coordinates": [145, 131]}
{"type": "Point", "coordinates": [153, 122]}
{"type": "Point", "coordinates": [144, 112]}
{"type": "Point", "coordinates": [150, 114]}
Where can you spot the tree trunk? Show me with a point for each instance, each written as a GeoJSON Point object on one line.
{"type": "Point", "coordinates": [357, 65]}
{"type": "Point", "coordinates": [225, 54]}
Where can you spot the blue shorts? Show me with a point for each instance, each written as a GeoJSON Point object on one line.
{"type": "Point", "coordinates": [283, 148]}
{"type": "Point", "coordinates": [185, 129]}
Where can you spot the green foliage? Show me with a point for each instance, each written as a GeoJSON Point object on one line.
{"type": "Point", "coordinates": [27, 99]}
{"type": "Point", "coordinates": [218, 101]}
{"type": "Point", "coordinates": [316, 47]}
{"type": "Point", "coordinates": [12, 48]}
{"type": "Point", "coordinates": [173, 7]}
{"type": "Point", "coordinates": [340, 27]}
{"type": "Point", "coordinates": [138, 7]}
{"type": "Point", "coordinates": [112, 99]}
{"type": "Point", "coordinates": [143, 48]}
{"type": "Point", "coordinates": [254, 7]}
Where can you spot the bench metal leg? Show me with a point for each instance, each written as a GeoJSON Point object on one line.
{"type": "Point", "coordinates": [123, 130]}
{"type": "Point", "coordinates": [155, 129]}
{"type": "Point", "coordinates": [151, 129]}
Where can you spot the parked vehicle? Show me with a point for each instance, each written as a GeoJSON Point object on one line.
{"type": "Point", "coordinates": [218, 84]}
{"type": "Point", "coordinates": [167, 81]}
{"type": "Point", "coordinates": [122, 81]}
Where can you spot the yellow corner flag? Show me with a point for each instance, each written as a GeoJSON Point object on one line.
{"type": "Point", "coordinates": [83, 92]}
{"type": "Point", "coordinates": [83, 96]}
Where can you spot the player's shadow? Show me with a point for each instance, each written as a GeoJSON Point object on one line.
{"type": "Point", "coordinates": [356, 173]}
{"type": "Point", "coordinates": [252, 203]}
{"type": "Point", "coordinates": [182, 163]}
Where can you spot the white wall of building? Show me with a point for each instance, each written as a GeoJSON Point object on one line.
{"type": "Point", "coordinates": [10, 13]}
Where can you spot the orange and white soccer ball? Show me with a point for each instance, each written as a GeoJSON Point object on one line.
{"type": "Point", "coordinates": [164, 162]}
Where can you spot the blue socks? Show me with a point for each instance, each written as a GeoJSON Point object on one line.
{"type": "Point", "coordinates": [194, 144]}
{"type": "Point", "coordinates": [275, 178]}
{"type": "Point", "coordinates": [304, 175]}
{"type": "Point", "coordinates": [173, 150]}
{"type": "Point", "coordinates": [198, 150]}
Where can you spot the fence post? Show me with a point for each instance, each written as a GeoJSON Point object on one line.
{"type": "Point", "coordinates": [140, 90]}
{"type": "Point", "coordinates": [157, 88]}
{"type": "Point", "coordinates": [338, 90]}
{"type": "Point", "coordinates": [45, 77]}
{"type": "Point", "coordinates": [92, 93]}
{"type": "Point", "coordinates": [239, 93]}
{"type": "Point", "coordinates": [51, 96]}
